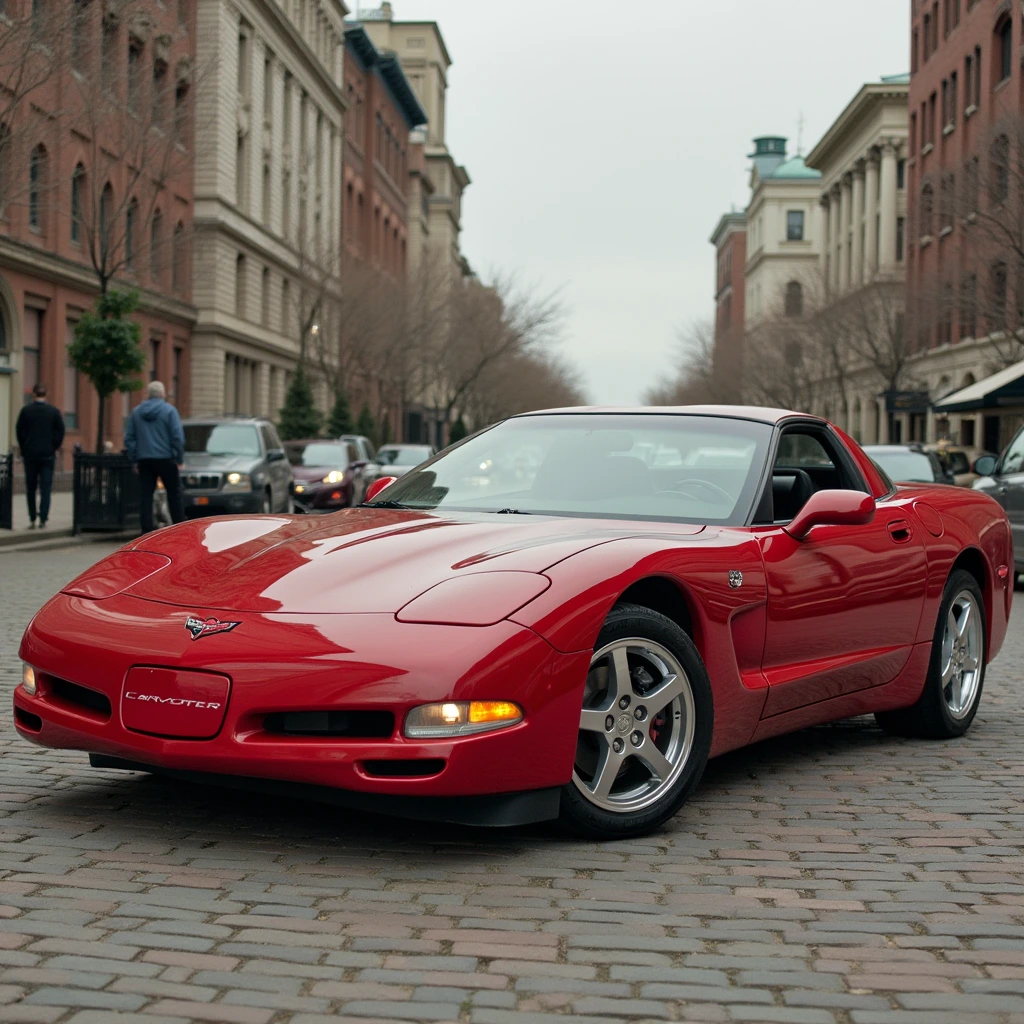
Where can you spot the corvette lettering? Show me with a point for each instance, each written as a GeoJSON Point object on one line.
{"type": "Point", "coordinates": [207, 627]}
{"type": "Point", "coordinates": [177, 702]}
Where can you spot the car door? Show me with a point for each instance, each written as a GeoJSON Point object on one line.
{"type": "Point", "coordinates": [279, 469]}
{"type": "Point", "coordinates": [1010, 491]}
{"type": "Point", "coordinates": [845, 602]}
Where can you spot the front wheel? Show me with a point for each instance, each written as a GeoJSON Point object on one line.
{"type": "Point", "coordinates": [956, 671]}
{"type": "Point", "coordinates": [645, 727]}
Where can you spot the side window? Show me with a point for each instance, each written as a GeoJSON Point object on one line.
{"type": "Point", "coordinates": [353, 455]}
{"type": "Point", "coordinates": [1013, 460]}
{"type": "Point", "coordinates": [268, 441]}
{"type": "Point", "coordinates": [806, 462]}
{"type": "Point", "coordinates": [274, 440]}
{"type": "Point", "coordinates": [371, 454]}
{"type": "Point", "coordinates": [800, 451]}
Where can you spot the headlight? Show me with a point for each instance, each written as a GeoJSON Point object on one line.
{"type": "Point", "coordinates": [237, 482]}
{"type": "Point", "coordinates": [300, 488]}
{"type": "Point", "coordinates": [28, 679]}
{"type": "Point", "coordinates": [460, 718]}
{"type": "Point", "coordinates": [334, 477]}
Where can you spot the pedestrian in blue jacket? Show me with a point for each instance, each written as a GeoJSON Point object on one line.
{"type": "Point", "coordinates": [156, 444]}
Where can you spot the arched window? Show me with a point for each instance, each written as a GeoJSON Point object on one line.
{"type": "Point", "coordinates": [131, 227]}
{"type": "Point", "coordinates": [794, 299]}
{"type": "Point", "coordinates": [36, 184]}
{"type": "Point", "coordinates": [1004, 47]}
{"type": "Point", "coordinates": [927, 209]}
{"type": "Point", "coordinates": [179, 270]}
{"type": "Point", "coordinates": [240, 285]}
{"type": "Point", "coordinates": [106, 213]}
{"type": "Point", "coordinates": [77, 201]}
{"type": "Point", "coordinates": [156, 237]}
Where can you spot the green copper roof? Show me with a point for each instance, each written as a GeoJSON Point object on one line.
{"type": "Point", "coordinates": [903, 79]}
{"type": "Point", "coordinates": [794, 168]}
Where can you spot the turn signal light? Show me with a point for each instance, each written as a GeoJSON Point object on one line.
{"type": "Point", "coordinates": [461, 718]}
{"type": "Point", "coordinates": [28, 679]}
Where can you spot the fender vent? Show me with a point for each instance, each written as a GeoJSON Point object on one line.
{"type": "Point", "coordinates": [411, 768]}
{"type": "Point", "coordinates": [355, 725]}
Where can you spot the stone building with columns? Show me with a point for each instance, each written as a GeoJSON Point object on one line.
{"type": "Point", "coordinates": [862, 160]}
{"type": "Point", "coordinates": [268, 193]}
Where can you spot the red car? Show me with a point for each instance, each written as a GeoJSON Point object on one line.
{"type": "Point", "coordinates": [564, 615]}
{"type": "Point", "coordinates": [328, 476]}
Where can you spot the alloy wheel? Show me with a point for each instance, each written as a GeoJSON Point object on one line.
{"type": "Point", "coordinates": [962, 646]}
{"type": "Point", "coordinates": [636, 726]}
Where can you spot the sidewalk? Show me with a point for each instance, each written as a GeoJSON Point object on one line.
{"type": "Point", "coordinates": [58, 525]}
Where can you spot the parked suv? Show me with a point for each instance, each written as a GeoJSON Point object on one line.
{"type": "Point", "coordinates": [366, 454]}
{"type": "Point", "coordinates": [1003, 479]}
{"type": "Point", "coordinates": [233, 465]}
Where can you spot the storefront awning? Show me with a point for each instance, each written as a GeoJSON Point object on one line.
{"type": "Point", "coordinates": [1002, 389]}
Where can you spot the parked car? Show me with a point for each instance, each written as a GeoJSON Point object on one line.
{"type": "Point", "coordinates": [232, 465]}
{"type": "Point", "coordinates": [367, 455]}
{"type": "Point", "coordinates": [397, 459]}
{"type": "Point", "coordinates": [574, 644]}
{"type": "Point", "coordinates": [1003, 479]}
{"type": "Point", "coordinates": [909, 463]}
{"type": "Point", "coordinates": [958, 460]}
{"type": "Point", "coordinates": [327, 475]}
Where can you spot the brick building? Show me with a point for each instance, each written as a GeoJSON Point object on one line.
{"type": "Point", "coordinates": [62, 158]}
{"type": "Point", "coordinates": [966, 98]}
{"type": "Point", "coordinates": [730, 241]}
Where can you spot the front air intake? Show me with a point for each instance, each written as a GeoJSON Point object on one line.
{"type": "Point", "coordinates": [353, 725]}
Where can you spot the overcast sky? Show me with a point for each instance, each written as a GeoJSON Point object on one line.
{"type": "Point", "coordinates": [605, 139]}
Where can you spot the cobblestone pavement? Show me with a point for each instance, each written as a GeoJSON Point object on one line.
{"type": "Point", "coordinates": [833, 876]}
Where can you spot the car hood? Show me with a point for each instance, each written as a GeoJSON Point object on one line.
{"type": "Point", "coordinates": [198, 462]}
{"type": "Point", "coordinates": [358, 560]}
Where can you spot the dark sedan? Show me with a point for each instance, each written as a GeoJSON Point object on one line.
{"type": "Point", "coordinates": [326, 475]}
{"type": "Point", "coordinates": [909, 464]}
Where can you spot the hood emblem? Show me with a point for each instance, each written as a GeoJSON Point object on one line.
{"type": "Point", "coordinates": [207, 627]}
{"type": "Point", "coordinates": [735, 578]}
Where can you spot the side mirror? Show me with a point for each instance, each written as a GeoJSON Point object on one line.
{"type": "Point", "coordinates": [832, 508]}
{"type": "Point", "coordinates": [276, 455]}
{"type": "Point", "coordinates": [378, 485]}
{"type": "Point", "coordinates": [985, 465]}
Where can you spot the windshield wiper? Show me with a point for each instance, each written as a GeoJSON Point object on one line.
{"type": "Point", "coordinates": [385, 504]}
{"type": "Point", "coordinates": [512, 512]}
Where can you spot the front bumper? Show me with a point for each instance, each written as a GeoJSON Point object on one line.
{"type": "Point", "coordinates": [322, 497]}
{"type": "Point", "coordinates": [217, 503]}
{"type": "Point", "coordinates": [283, 663]}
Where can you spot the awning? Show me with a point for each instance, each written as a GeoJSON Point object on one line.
{"type": "Point", "coordinates": [1002, 389]}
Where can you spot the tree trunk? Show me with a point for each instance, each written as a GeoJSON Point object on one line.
{"type": "Point", "coordinates": [100, 425]}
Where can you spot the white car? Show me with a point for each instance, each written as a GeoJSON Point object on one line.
{"type": "Point", "coordinates": [398, 459]}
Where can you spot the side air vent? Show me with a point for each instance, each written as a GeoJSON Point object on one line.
{"type": "Point", "coordinates": [411, 768]}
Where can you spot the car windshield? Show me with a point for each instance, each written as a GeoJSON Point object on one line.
{"type": "Point", "coordinates": [905, 466]}
{"type": "Point", "coordinates": [221, 439]}
{"type": "Point", "coordinates": [403, 455]}
{"type": "Point", "coordinates": [696, 469]}
{"type": "Point", "coordinates": [317, 454]}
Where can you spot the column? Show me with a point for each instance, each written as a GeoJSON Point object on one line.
{"type": "Point", "coordinates": [871, 214]}
{"type": "Point", "coordinates": [867, 421]}
{"type": "Point", "coordinates": [857, 270]}
{"type": "Point", "coordinates": [887, 255]}
{"type": "Point", "coordinates": [929, 426]}
{"type": "Point", "coordinates": [844, 233]}
{"type": "Point", "coordinates": [833, 237]}
{"type": "Point", "coordinates": [826, 229]}
{"type": "Point", "coordinates": [883, 422]}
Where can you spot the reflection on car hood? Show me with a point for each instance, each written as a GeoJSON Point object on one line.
{"type": "Point", "coordinates": [359, 560]}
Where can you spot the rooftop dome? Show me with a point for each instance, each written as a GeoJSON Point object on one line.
{"type": "Point", "coordinates": [795, 168]}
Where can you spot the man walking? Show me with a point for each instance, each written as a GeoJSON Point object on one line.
{"type": "Point", "coordinates": [156, 444]}
{"type": "Point", "coordinates": [40, 431]}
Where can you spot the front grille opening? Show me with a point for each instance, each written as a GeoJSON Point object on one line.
{"type": "Point", "coordinates": [354, 725]}
{"type": "Point", "coordinates": [79, 696]}
{"type": "Point", "coordinates": [410, 768]}
{"type": "Point", "coordinates": [33, 723]}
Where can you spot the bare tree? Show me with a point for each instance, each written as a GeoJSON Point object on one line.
{"type": "Point", "coordinates": [523, 382]}
{"type": "Point", "coordinates": [703, 372]}
{"type": "Point", "coordinates": [35, 41]}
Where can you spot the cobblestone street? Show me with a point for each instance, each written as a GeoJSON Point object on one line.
{"type": "Point", "coordinates": [836, 876]}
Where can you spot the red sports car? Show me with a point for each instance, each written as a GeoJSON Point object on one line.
{"type": "Point", "coordinates": [565, 615]}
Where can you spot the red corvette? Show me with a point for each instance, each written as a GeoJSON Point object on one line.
{"type": "Point", "coordinates": [564, 615]}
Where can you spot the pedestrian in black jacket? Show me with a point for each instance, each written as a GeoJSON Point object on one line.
{"type": "Point", "coordinates": [40, 431]}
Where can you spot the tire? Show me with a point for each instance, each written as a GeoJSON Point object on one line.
{"type": "Point", "coordinates": [944, 710]}
{"type": "Point", "coordinates": [628, 780]}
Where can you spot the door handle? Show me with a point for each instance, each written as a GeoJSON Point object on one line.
{"type": "Point", "coordinates": [900, 531]}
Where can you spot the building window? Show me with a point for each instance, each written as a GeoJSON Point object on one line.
{"type": "Point", "coordinates": [178, 264]}
{"type": "Point", "coordinates": [901, 174]}
{"type": "Point", "coordinates": [154, 359]}
{"type": "Point", "coordinates": [36, 184]}
{"type": "Point", "coordinates": [70, 383]}
{"type": "Point", "coordinates": [945, 102]}
{"type": "Point", "coordinates": [159, 94]}
{"type": "Point", "coordinates": [265, 298]}
{"type": "Point", "coordinates": [1004, 47]}
{"type": "Point", "coordinates": [976, 91]}
{"type": "Point", "coordinates": [795, 226]}
{"type": "Point", "coordinates": [968, 81]}
{"type": "Point", "coordinates": [108, 49]}
{"type": "Point", "coordinates": [183, 21]}
{"type": "Point", "coordinates": [794, 304]}
{"type": "Point", "coordinates": [1001, 169]}
{"type": "Point", "coordinates": [176, 379]}
{"type": "Point", "coordinates": [927, 36]}
{"type": "Point", "coordinates": [79, 34]}
{"type": "Point", "coordinates": [997, 312]}
{"type": "Point", "coordinates": [913, 54]}
{"type": "Point", "coordinates": [77, 199]}
{"type": "Point", "coordinates": [130, 228]}
{"type": "Point", "coordinates": [181, 93]}
{"type": "Point", "coordinates": [268, 87]}
{"type": "Point", "coordinates": [286, 301]}
{"type": "Point", "coordinates": [134, 77]}
{"type": "Point", "coordinates": [106, 216]}
{"type": "Point", "coordinates": [241, 171]}
{"type": "Point", "coordinates": [156, 233]}
{"type": "Point", "coordinates": [946, 315]}
{"type": "Point", "coordinates": [927, 210]}
{"type": "Point", "coordinates": [968, 305]}
{"type": "Point", "coordinates": [240, 285]}
{"type": "Point", "coordinates": [243, 63]}
{"type": "Point", "coordinates": [951, 120]}
{"type": "Point", "coordinates": [901, 240]}
{"type": "Point", "coordinates": [30, 350]}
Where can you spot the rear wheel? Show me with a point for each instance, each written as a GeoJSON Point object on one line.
{"type": "Point", "coordinates": [645, 727]}
{"type": "Point", "coordinates": [956, 672]}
